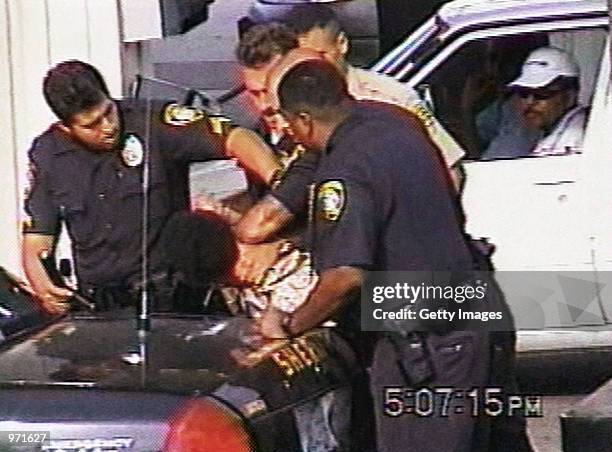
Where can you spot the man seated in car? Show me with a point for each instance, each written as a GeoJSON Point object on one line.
{"type": "Point", "coordinates": [547, 99]}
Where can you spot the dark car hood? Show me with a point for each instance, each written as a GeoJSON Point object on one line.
{"type": "Point", "coordinates": [180, 354]}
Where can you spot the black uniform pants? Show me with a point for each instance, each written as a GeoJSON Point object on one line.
{"type": "Point", "coordinates": [503, 433]}
{"type": "Point", "coordinates": [408, 419]}
{"type": "Point", "coordinates": [436, 364]}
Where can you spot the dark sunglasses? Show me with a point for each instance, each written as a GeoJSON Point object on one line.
{"type": "Point", "coordinates": [537, 94]}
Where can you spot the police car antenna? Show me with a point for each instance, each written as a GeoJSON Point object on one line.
{"type": "Point", "coordinates": [235, 91]}
{"type": "Point", "coordinates": [207, 102]}
{"type": "Point", "coordinates": [143, 322]}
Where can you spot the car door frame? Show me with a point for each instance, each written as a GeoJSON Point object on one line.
{"type": "Point", "coordinates": [571, 172]}
{"type": "Point", "coordinates": [461, 39]}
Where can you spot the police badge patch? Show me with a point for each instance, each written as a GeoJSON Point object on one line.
{"type": "Point", "coordinates": [181, 115]}
{"type": "Point", "coordinates": [331, 198]}
{"type": "Point", "coordinates": [132, 152]}
{"type": "Point", "coordinates": [220, 125]}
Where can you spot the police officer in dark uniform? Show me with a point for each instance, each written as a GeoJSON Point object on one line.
{"type": "Point", "coordinates": [382, 202]}
{"type": "Point", "coordinates": [259, 49]}
{"type": "Point", "coordinates": [87, 171]}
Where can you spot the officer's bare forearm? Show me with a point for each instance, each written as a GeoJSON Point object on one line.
{"type": "Point", "coordinates": [51, 297]}
{"type": "Point", "coordinates": [33, 247]}
{"type": "Point", "coordinates": [253, 154]}
{"type": "Point", "coordinates": [336, 286]}
{"type": "Point", "coordinates": [262, 221]}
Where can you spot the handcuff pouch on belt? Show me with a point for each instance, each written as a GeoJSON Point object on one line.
{"type": "Point", "coordinates": [413, 358]}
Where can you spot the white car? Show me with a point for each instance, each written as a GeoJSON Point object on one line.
{"type": "Point", "coordinates": [547, 214]}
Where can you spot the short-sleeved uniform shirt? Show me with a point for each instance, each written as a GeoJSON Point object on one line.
{"type": "Point", "coordinates": [369, 85]}
{"type": "Point", "coordinates": [289, 154]}
{"type": "Point", "coordinates": [382, 200]}
{"type": "Point", "coordinates": [292, 187]}
{"type": "Point", "coordinates": [100, 196]}
{"type": "Point", "coordinates": [289, 185]}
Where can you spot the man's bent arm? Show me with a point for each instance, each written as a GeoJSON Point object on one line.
{"type": "Point", "coordinates": [335, 287]}
{"type": "Point", "coordinates": [262, 221]}
{"type": "Point", "coordinates": [253, 154]}
{"type": "Point", "coordinates": [51, 297]}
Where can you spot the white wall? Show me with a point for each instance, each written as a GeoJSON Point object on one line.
{"type": "Point", "coordinates": [214, 40]}
{"type": "Point", "coordinates": [34, 35]}
{"type": "Point", "coordinates": [8, 193]}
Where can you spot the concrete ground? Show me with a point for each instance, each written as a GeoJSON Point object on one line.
{"type": "Point", "coordinates": [545, 432]}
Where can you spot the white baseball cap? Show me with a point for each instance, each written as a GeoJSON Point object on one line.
{"type": "Point", "coordinates": [544, 65]}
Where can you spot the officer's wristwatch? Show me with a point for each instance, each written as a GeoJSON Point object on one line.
{"type": "Point", "coordinates": [276, 177]}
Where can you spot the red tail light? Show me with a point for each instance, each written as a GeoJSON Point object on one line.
{"type": "Point", "coordinates": [205, 425]}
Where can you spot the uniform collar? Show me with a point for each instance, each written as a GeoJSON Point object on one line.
{"type": "Point", "coordinates": [64, 143]}
{"type": "Point", "coordinates": [66, 146]}
{"type": "Point", "coordinates": [343, 128]}
{"type": "Point", "coordinates": [354, 78]}
{"type": "Point", "coordinates": [360, 83]}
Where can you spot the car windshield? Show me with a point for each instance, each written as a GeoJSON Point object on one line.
{"type": "Point", "coordinates": [413, 51]}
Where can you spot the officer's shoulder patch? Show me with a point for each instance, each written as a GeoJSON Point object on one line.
{"type": "Point", "coordinates": [219, 124]}
{"type": "Point", "coordinates": [181, 115]}
{"type": "Point", "coordinates": [331, 199]}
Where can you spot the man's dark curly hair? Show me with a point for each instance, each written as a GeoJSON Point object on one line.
{"type": "Point", "coordinates": [263, 42]}
{"type": "Point", "coordinates": [72, 87]}
{"type": "Point", "coordinates": [305, 18]}
{"type": "Point", "coordinates": [200, 247]}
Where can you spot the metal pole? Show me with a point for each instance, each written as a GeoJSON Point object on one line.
{"type": "Point", "coordinates": [144, 321]}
